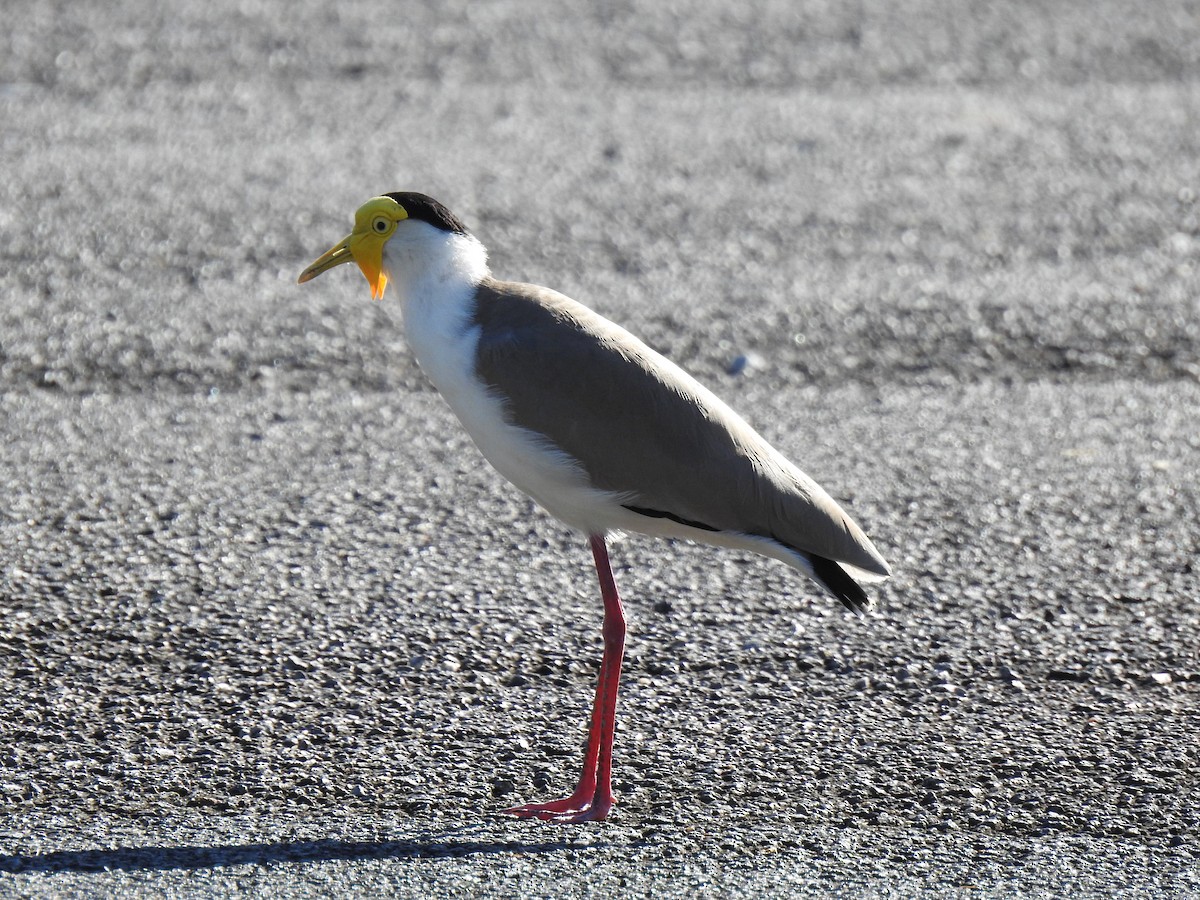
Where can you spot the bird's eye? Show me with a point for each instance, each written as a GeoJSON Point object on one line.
{"type": "Point", "coordinates": [380, 224]}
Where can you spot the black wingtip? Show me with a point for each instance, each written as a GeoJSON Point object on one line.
{"type": "Point", "coordinates": [838, 583]}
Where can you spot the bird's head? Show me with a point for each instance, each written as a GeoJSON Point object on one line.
{"type": "Point", "coordinates": [378, 221]}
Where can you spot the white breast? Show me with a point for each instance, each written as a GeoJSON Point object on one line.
{"type": "Point", "coordinates": [437, 285]}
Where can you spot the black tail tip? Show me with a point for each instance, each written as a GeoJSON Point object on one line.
{"type": "Point", "coordinates": [838, 583]}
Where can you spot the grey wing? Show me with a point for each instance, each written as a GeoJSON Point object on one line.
{"type": "Point", "coordinates": [643, 428]}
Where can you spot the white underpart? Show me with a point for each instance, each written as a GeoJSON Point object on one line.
{"type": "Point", "coordinates": [435, 275]}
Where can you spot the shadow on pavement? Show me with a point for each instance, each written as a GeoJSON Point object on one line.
{"type": "Point", "coordinates": [162, 858]}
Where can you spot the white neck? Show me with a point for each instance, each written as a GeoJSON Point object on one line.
{"type": "Point", "coordinates": [435, 274]}
{"type": "Point", "coordinates": [425, 264]}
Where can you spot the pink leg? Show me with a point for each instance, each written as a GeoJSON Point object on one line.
{"type": "Point", "coordinates": [593, 799]}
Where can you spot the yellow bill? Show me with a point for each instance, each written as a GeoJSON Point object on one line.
{"type": "Point", "coordinates": [374, 223]}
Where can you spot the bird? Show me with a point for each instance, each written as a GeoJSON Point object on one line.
{"type": "Point", "coordinates": [600, 430]}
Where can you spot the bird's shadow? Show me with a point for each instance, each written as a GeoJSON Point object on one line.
{"type": "Point", "coordinates": [160, 858]}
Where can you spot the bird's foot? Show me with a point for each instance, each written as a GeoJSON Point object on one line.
{"type": "Point", "coordinates": [566, 811]}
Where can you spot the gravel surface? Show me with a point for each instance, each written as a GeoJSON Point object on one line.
{"type": "Point", "coordinates": [269, 625]}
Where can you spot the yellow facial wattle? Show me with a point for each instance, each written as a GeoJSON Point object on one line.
{"type": "Point", "coordinates": [374, 223]}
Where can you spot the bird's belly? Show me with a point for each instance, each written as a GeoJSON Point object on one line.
{"type": "Point", "coordinates": [526, 458]}
{"type": "Point", "coordinates": [550, 476]}
{"type": "Point", "coordinates": [539, 468]}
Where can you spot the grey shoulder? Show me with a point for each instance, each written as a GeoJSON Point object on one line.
{"type": "Point", "coordinates": [512, 304]}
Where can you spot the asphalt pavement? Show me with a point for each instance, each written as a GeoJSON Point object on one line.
{"type": "Point", "coordinates": [270, 625]}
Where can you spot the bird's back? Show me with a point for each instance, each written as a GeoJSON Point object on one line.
{"type": "Point", "coordinates": [643, 429]}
